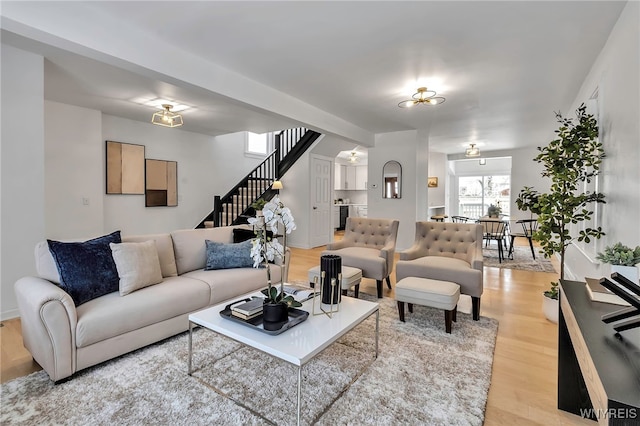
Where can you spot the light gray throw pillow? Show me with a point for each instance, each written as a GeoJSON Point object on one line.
{"type": "Point", "coordinates": [138, 265]}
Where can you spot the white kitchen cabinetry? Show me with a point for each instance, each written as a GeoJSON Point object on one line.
{"type": "Point", "coordinates": [361, 177]}
{"type": "Point", "coordinates": [336, 217]}
{"type": "Point", "coordinates": [340, 176]}
{"type": "Point", "coordinates": [355, 178]}
{"type": "Point", "coordinates": [351, 177]}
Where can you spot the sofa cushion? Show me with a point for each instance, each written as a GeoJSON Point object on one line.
{"type": "Point", "coordinates": [367, 259]}
{"type": "Point", "coordinates": [228, 283]}
{"type": "Point", "coordinates": [164, 245]}
{"type": "Point", "coordinates": [228, 256]}
{"type": "Point", "coordinates": [111, 315]}
{"type": "Point", "coordinates": [444, 269]}
{"type": "Point", "coordinates": [138, 265]}
{"type": "Point", "coordinates": [189, 246]}
{"type": "Point", "coordinates": [86, 269]}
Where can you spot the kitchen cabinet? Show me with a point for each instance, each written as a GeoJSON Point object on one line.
{"type": "Point", "coordinates": [361, 177]}
{"type": "Point", "coordinates": [351, 177]}
{"type": "Point", "coordinates": [340, 176]}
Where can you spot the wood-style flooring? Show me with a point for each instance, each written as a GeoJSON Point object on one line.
{"type": "Point", "coordinates": [523, 383]}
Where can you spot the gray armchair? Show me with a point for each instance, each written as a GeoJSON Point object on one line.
{"type": "Point", "coordinates": [446, 252]}
{"type": "Point", "coordinates": [369, 245]}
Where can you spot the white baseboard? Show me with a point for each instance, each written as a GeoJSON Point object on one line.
{"type": "Point", "coordinates": [10, 314]}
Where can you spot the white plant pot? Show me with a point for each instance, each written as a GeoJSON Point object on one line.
{"type": "Point", "coordinates": [550, 308]}
{"type": "Point", "coordinates": [629, 272]}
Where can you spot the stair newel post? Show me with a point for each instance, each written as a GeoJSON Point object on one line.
{"type": "Point", "coordinates": [276, 158]}
{"type": "Point", "coordinates": [217, 211]}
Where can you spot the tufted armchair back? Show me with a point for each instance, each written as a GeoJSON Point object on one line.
{"type": "Point", "coordinates": [458, 240]}
{"type": "Point", "coordinates": [370, 233]}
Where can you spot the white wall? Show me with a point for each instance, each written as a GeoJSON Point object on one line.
{"type": "Point", "coordinates": [401, 147]}
{"type": "Point", "coordinates": [22, 169]}
{"type": "Point", "coordinates": [74, 169]}
{"type": "Point", "coordinates": [615, 74]}
{"type": "Point", "coordinates": [206, 167]}
{"type": "Point", "coordinates": [437, 168]}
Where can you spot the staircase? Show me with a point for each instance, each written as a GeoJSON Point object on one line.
{"type": "Point", "coordinates": [234, 208]}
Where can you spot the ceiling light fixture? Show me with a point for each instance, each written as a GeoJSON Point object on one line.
{"type": "Point", "coordinates": [422, 96]}
{"type": "Point", "coordinates": [353, 158]}
{"type": "Point", "coordinates": [166, 117]}
{"type": "Point", "coordinates": [472, 151]}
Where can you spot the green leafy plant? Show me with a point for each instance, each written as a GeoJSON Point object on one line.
{"type": "Point", "coordinates": [494, 210]}
{"type": "Point", "coordinates": [259, 204]}
{"type": "Point", "coordinates": [552, 293]}
{"type": "Point", "coordinates": [619, 254]}
{"type": "Point", "coordinates": [571, 159]}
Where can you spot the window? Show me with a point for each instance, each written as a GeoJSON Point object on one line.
{"type": "Point", "coordinates": [476, 193]}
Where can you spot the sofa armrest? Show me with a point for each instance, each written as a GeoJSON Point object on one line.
{"type": "Point", "coordinates": [477, 259]}
{"type": "Point", "coordinates": [411, 253]}
{"type": "Point", "coordinates": [48, 318]}
{"type": "Point", "coordinates": [337, 245]}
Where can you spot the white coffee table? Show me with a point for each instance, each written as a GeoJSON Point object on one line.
{"type": "Point", "coordinates": [297, 345]}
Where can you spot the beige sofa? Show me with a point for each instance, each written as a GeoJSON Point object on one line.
{"type": "Point", "coordinates": [65, 339]}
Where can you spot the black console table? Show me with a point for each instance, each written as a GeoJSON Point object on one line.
{"type": "Point", "coordinates": [598, 371]}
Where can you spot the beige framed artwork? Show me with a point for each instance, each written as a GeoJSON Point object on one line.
{"type": "Point", "coordinates": [432, 182]}
{"type": "Point", "coordinates": [162, 183]}
{"type": "Point", "coordinates": [125, 168]}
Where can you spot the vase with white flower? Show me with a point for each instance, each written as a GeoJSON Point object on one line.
{"type": "Point", "coordinates": [267, 249]}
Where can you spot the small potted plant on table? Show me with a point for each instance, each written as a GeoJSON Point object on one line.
{"type": "Point", "coordinates": [622, 259]}
{"type": "Point", "coordinates": [265, 250]}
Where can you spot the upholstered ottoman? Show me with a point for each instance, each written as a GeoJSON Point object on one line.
{"type": "Point", "coordinates": [350, 277]}
{"type": "Point", "coordinates": [428, 292]}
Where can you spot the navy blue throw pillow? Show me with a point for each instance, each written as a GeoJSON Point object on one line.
{"type": "Point", "coordinates": [87, 269]}
{"type": "Point", "coordinates": [227, 256]}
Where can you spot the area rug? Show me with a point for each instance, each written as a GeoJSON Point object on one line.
{"type": "Point", "coordinates": [522, 259]}
{"type": "Point", "coordinates": [421, 376]}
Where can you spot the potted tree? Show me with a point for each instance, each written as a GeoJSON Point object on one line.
{"type": "Point", "coordinates": [571, 159]}
{"type": "Point", "coordinates": [622, 259]}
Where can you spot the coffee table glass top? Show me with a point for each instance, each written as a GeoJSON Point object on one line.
{"type": "Point", "coordinates": [299, 344]}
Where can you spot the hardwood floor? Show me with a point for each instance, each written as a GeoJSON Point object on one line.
{"type": "Point", "coordinates": [523, 383]}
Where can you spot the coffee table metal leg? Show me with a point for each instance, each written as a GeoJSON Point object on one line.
{"type": "Point", "coordinates": [190, 346]}
{"type": "Point", "coordinates": [299, 390]}
{"type": "Point", "coordinates": [377, 330]}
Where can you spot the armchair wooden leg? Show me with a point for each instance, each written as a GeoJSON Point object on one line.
{"type": "Point", "coordinates": [513, 238]}
{"type": "Point", "coordinates": [356, 290]}
{"type": "Point", "coordinates": [448, 316]}
{"type": "Point", "coordinates": [401, 310]}
{"type": "Point", "coordinates": [389, 282]}
{"type": "Point", "coordinates": [410, 307]}
{"type": "Point", "coordinates": [379, 286]}
{"type": "Point", "coordinates": [455, 314]}
{"type": "Point", "coordinates": [344, 292]}
{"type": "Point", "coordinates": [475, 301]}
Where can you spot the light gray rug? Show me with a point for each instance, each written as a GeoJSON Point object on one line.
{"type": "Point", "coordinates": [522, 259]}
{"type": "Point", "coordinates": [421, 376]}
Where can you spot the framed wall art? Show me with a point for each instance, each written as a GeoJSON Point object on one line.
{"type": "Point", "coordinates": [161, 183]}
{"type": "Point", "coordinates": [125, 168]}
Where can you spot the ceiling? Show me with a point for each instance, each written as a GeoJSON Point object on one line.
{"type": "Point", "coordinates": [504, 67]}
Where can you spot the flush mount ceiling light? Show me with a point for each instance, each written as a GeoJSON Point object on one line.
{"type": "Point", "coordinates": [472, 151]}
{"type": "Point", "coordinates": [422, 97]}
{"type": "Point", "coordinates": [166, 117]}
{"type": "Point", "coordinates": [353, 158]}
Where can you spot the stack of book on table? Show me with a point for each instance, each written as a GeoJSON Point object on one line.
{"type": "Point", "coordinates": [247, 309]}
{"type": "Point", "coordinates": [599, 293]}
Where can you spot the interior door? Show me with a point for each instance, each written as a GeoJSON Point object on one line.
{"type": "Point", "coordinates": [321, 205]}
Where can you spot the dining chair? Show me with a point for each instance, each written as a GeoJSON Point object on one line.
{"type": "Point", "coordinates": [460, 219]}
{"type": "Point", "coordinates": [494, 230]}
{"type": "Point", "coordinates": [529, 226]}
